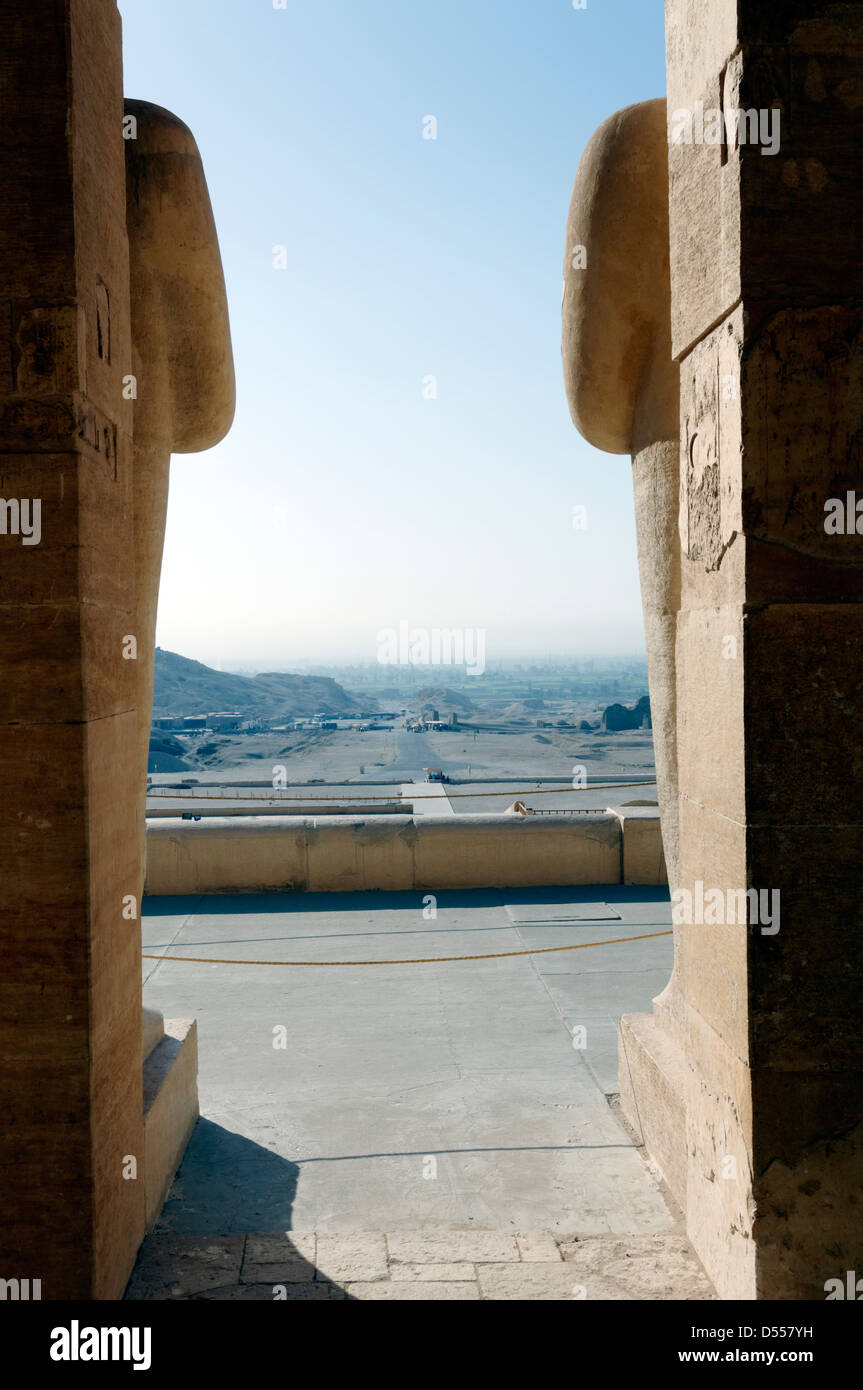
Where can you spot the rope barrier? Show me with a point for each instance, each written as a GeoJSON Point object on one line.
{"type": "Point", "coordinates": [411, 796]}
{"type": "Point", "coordinates": [419, 960]}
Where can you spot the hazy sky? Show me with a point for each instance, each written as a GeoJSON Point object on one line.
{"type": "Point", "coordinates": [342, 502]}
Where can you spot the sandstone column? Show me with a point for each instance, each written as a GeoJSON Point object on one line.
{"type": "Point", "coordinates": [621, 381]}
{"type": "Point", "coordinates": [747, 1080]}
{"type": "Point", "coordinates": [181, 352]}
{"type": "Point", "coordinates": [70, 996]}
{"type": "Point", "coordinates": [182, 369]}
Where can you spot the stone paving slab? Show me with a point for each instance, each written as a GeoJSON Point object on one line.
{"type": "Point", "coordinates": [279, 1259]}
{"type": "Point", "coordinates": [420, 1293]}
{"type": "Point", "coordinates": [181, 1266]}
{"type": "Point", "coordinates": [649, 1268]}
{"type": "Point", "coordinates": [419, 1266]}
{"type": "Point", "coordinates": [273, 1293]}
{"type": "Point", "coordinates": [537, 1246]}
{"type": "Point", "coordinates": [457, 1246]}
{"type": "Point", "coordinates": [527, 1282]}
{"type": "Point", "coordinates": [438, 1273]}
{"type": "Point", "coordinates": [360, 1256]}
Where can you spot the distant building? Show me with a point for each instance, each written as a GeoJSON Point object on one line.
{"type": "Point", "coordinates": [224, 720]}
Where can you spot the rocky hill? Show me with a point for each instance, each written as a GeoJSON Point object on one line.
{"type": "Point", "coordinates": [189, 687]}
{"type": "Point", "coordinates": [439, 697]}
{"type": "Point", "coordinates": [618, 717]}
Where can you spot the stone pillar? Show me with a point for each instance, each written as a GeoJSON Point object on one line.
{"type": "Point", "coordinates": [746, 1081]}
{"type": "Point", "coordinates": [181, 354]}
{"type": "Point", "coordinates": [70, 996]}
{"type": "Point", "coordinates": [622, 384]}
{"type": "Point", "coordinates": [183, 374]}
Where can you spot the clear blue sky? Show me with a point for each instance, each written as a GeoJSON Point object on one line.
{"type": "Point", "coordinates": [343, 502]}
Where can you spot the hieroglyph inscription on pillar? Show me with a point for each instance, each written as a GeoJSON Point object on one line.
{"type": "Point", "coordinates": [709, 444]}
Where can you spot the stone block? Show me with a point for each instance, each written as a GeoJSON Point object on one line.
{"type": "Point", "coordinates": [287, 1259]}
{"type": "Point", "coordinates": [652, 1079]}
{"type": "Point", "coordinates": [359, 1256]}
{"type": "Point", "coordinates": [643, 856]}
{"type": "Point", "coordinates": [403, 1292]}
{"type": "Point", "coordinates": [181, 1266]}
{"type": "Point", "coordinates": [537, 1247]}
{"type": "Point", "coordinates": [537, 1282]}
{"type": "Point", "coordinates": [648, 1268]}
{"type": "Point", "coordinates": [710, 694]}
{"type": "Point", "coordinates": [170, 1108]}
{"type": "Point", "coordinates": [451, 1247]}
{"type": "Point", "coordinates": [436, 1273]}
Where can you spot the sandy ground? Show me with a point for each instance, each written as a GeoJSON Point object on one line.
{"type": "Point", "coordinates": [522, 755]}
{"type": "Point", "coordinates": [376, 756]}
{"type": "Point", "coordinates": [306, 757]}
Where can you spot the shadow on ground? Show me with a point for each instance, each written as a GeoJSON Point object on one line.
{"type": "Point", "coordinates": [227, 1186]}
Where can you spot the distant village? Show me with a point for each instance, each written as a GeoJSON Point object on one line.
{"type": "Point", "coordinates": [615, 718]}
{"type": "Point", "coordinates": [235, 722]}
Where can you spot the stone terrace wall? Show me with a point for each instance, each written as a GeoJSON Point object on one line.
{"type": "Point", "coordinates": [352, 853]}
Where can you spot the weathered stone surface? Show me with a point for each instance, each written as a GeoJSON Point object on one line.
{"type": "Point", "coordinates": [622, 384]}
{"type": "Point", "coordinates": [652, 1076]}
{"type": "Point", "coordinates": [649, 1268]}
{"type": "Point", "coordinates": [181, 354]}
{"type": "Point", "coordinates": [282, 1259]}
{"type": "Point", "coordinates": [170, 1107]}
{"type": "Point", "coordinates": [64, 424]}
{"type": "Point", "coordinates": [278, 1292]}
{"type": "Point", "coordinates": [455, 1247]}
{"type": "Point", "coordinates": [402, 1292]}
{"type": "Point", "coordinates": [537, 1282]}
{"type": "Point", "coordinates": [359, 1256]}
{"type": "Point", "coordinates": [620, 381]}
{"type": "Point", "coordinates": [808, 1186]}
{"type": "Point", "coordinates": [179, 1266]}
{"type": "Point", "coordinates": [643, 850]}
{"type": "Point", "coordinates": [549, 1268]}
{"type": "Point", "coordinates": [437, 1273]}
{"type": "Point", "coordinates": [79, 324]}
{"type": "Point", "coordinates": [753, 1050]}
{"type": "Point", "coordinates": [537, 1246]}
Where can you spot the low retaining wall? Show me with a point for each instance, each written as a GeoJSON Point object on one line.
{"type": "Point", "coordinates": [353, 853]}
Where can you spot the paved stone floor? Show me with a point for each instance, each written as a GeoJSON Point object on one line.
{"type": "Point", "coordinates": [448, 1265]}
{"type": "Point", "coordinates": [441, 1101]}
